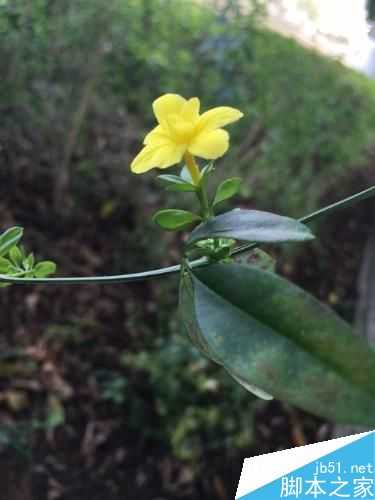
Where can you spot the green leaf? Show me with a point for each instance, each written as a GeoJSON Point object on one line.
{"type": "Point", "coordinates": [44, 268]}
{"type": "Point", "coordinates": [251, 388]}
{"type": "Point", "coordinates": [216, 249]}
{"type": "Point", "coordinates": [252, 225]}
{"type": "Point", "coordinates": [172, 219]}
{"type": "Point", "coordinates": [5, 265]}
{"type": "Point", "coordinates": [268, 333]}
{"type": "Point", "coordinates": [185, 175]}
{"type": "Point", "coordinates": [28, 262]}
{"type": "Point", "coordinates": [9, 239]}
{"type": "Point", "coordinates": [175, 183]}
{"type": "Point", "coordinates": [16, 256]}
{"type": "Point", "coordinates": [206, 170]}
{"type": "Point", "coordinates": [227, 189]}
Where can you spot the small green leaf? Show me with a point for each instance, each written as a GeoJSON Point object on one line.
{"type": "Point", "coordinates": [185, 175]}
{"type": "Point", "coordinates": [5, 265]}
{"type": "Point", "coordinates": [175, 183]}
{"type": "Point", "coordinates": [23, 251]}
{"type": "Point", "coordinates": [252, 225]}
{"type": "Point", "coordinates": [227, 189]}
{"type": "Point", "coordinates": [16, 256]}
{"type": "Point", "coordinates": [10, 238]}
{"type": "Point", "coordinates": [206, 170]}
{"type": "Point", "coordinates": [216, 249]}
{"type": "Point", "coordinates": [172, 219]}
{"type": "Point", "coordinates": [44, 268]}
{"type": "Point", "coordinates": [30, 261]}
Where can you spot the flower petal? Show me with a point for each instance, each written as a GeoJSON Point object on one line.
{"type": "Point", "coordinates": [190, 110]}
{"type": "Point", "coordinates": [157, 136]}
{"type": "Point", "coordinates": [218, 117]}
{"type": "Point", "coordinates": [210, 145]}
{"type": "Point", "coordinates": [166, 105]}
{"type": "Point", "coordinates": [159, 156]}
{"type": "Point", "coordinates": [170, 155]}
{"type": "Point", "coordinates": [144, 160]}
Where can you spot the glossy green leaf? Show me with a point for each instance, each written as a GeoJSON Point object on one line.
{"type": "Point", "coordinates": [251, 388]}
{"type": "Point", "coordinates": [9, 239]}
{"type": "Point", "coordinates": [252, 225]}
{"type": "Point", "coordinates": [187, 312]}
{"type": "Point", "coordinates": [227, 189]}
{"type": "Point", "coordinates": [5, 265]}
{"type": "Point", "coordinates": [44, 268]}
{"type": "Point", "coordinates": [28, 262]}
{"type": "Point", "coordinates": [175, 183]}
{"type": "Point", "coordinates": [172, 219]}
{"type": "Point", "coordinates": [268, 333]}
{"type": "Point", "coordinates": [16, 256]}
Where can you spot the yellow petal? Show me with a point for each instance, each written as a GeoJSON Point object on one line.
{"type": "Point", "coordinates": [167, 104]}
{"type": "Point", "coordinates": [159, 156]}
{"type": "Point", "coordinates": [210, 145]}
{"type": "Point", "coordinates": [170, 155]}
{"type": "Point", "coordinates": [218, 117]}
{"type": "Point", "coordinates": [190, 110]}
{"type": "Point", "coordinates": [157, 136]}
{"type": "Point", "coordinates": [144, 160]}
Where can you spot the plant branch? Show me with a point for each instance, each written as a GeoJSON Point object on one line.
{"type": "Point", "coordinates": [155, 273]}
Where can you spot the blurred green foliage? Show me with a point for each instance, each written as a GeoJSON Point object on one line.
{"type": "Point", "coordinates": [308, 119]}
{"type": "Point", "coordinates": [319, 120]}
{"type": "Point", "coordinates": [199, 408]}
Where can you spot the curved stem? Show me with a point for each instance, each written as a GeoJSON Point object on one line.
{"type": "Point", "coordinates": [114, 278]}
{"type": "Point", "coordinates": [155, 273]}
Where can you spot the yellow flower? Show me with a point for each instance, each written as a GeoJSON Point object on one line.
{"type": "Point", "coordinates": [183, 133]}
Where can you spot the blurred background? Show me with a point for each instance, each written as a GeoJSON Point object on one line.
{"type": "Point", "coordinates": [101, 396]}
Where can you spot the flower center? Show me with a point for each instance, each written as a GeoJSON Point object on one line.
{"type": "Point", "coordinates": [181, 130]}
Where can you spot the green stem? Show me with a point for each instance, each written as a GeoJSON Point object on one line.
{"type": "Point", "coordinates": [200, 188]}
{"type": "Point", "coordinates": [203, 200]}
{"type": "Point", "coordinates": [346, 202]}
{"type": "Point", "coordinates": [193, 168]}
{"type": "Point", "coordinates": [127, 278]}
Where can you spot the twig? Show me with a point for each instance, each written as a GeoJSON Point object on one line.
{"type": "Point", "coordinates": [155, 273]}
